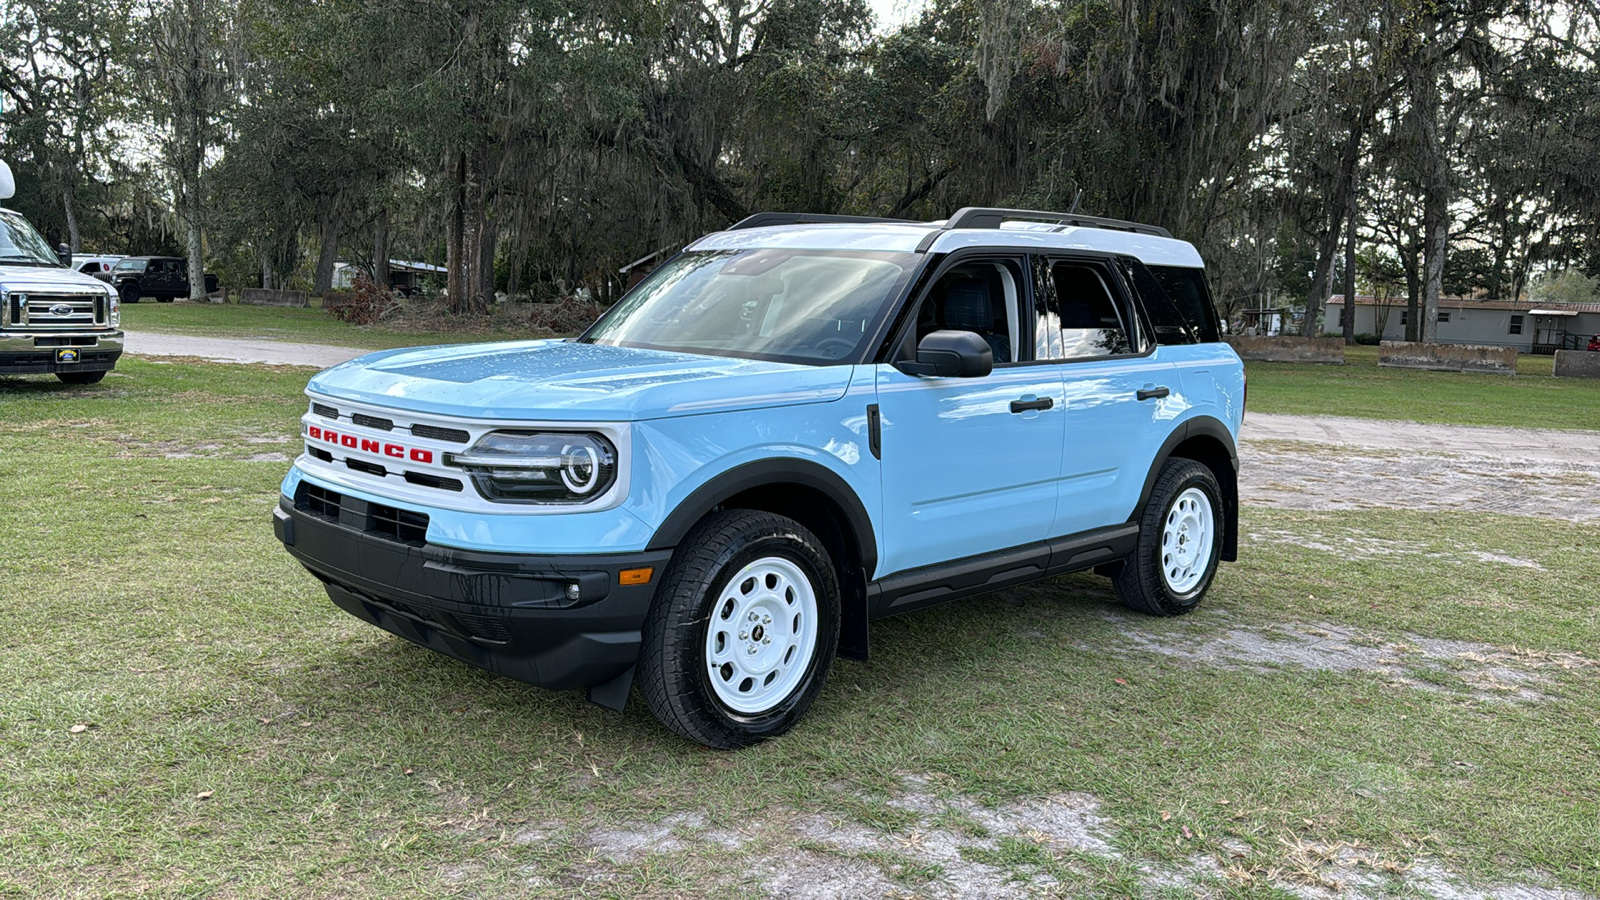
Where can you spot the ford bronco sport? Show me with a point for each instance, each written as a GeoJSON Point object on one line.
{"type": "Point", "coordinates": [52, 319]}
{"type": "Point", "coordinates": [793, 427]}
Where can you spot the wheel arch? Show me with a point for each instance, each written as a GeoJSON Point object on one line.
{"type": "Point", "coordinates": [1208, 441]}
{"type": "Point", "coordinates": [812, 495]}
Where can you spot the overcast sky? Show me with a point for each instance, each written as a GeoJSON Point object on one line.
{"type": "Point", "coordinates": [894, 13]}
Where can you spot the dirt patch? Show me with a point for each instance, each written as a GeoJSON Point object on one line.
{"type": "Point", "coordinates": [1335, 478]}
{"type": "Point", "coordinates": [953, 848]}
{"type": "Point", "coordinates": [1328, 463]}
{"type": "Point", "coordinates": [1432, 664]}
{"type": "Point", "coordinates": [1358, 544]}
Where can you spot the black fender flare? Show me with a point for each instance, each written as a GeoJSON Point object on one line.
{"type": "Point", "coordinates": [1205, 427]}
{"type": "Point", "coordinates": [779, 473]}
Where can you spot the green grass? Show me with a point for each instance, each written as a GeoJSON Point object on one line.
{"type": "Point", "coordinates": [144, 597]}
{"type": "Point", "coordinates": [1531, 399]}
{"type": "Point", "coordinates": [312, 326]}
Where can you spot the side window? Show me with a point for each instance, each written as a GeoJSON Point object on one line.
{"type": "Point", "coordinates": [89, 267]}
{"type": "Point", "coordinates": [1079, 316]}
{"type": "Point", "coordinates": [1169, 322]}
{"type": "Point", "coordinates": [981, 297]}
{"type": "Point", "coordinates": [1187, 288]}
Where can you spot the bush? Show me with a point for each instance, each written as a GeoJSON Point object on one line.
{"type": "Point", "coordinates": [1368, 340]}
{"type": "Point", "coordinates": [363, 304]}
{"type": "Point", "coordinates": [564, 316]}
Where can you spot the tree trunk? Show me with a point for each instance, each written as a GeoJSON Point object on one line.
{"type": "Point", "coordinates": [380, 251]}
{"type": "Point", "coordinates": [328, 239]}
{"type": "Point", "coordinates": [67, 205]}
{"type": "Point", "coordinates": [1408, 261]}
{"type": "Point", "coordinates": [1438, 236]}
{"type": "Point", "coordinates": [191, 211]}
{"type": "Point", "coordinates": [455, 259]}
{"type": "Point", "coordinates": [1350, 272]}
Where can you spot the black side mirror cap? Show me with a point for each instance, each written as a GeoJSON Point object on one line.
{"type": "Point", "coordinates": [951, 354]}
{"type": "Point", "coordinates": [64, 255]}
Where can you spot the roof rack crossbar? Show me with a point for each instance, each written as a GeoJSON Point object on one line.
{"type": "Point", "coordinates": [987, 217]}
{"type": "Point", "coordinates": [761, 220]}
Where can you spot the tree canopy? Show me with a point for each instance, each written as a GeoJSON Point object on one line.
{"type": "Point", "coordinates": [535, 146]}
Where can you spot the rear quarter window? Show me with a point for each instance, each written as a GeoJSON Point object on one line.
{"type": "Point", "coordinates": [1190, 294]}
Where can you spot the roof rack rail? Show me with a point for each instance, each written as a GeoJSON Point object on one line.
{"type": "Point", "coordinates": [985, 217]}
{"type": "Point", "coordinates": [761, 220]}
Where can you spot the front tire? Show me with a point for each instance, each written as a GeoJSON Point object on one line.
{"type": "Point", "coordinates": [129, 292]}
{"type": "Point", "coordinates": [1180, 541]}
{"type": "Point", "coordinates": [742, 631]}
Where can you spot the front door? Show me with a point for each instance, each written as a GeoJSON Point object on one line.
{"type": "Point", "coordinates": [970, 465]}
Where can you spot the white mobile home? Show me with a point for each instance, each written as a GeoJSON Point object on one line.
{"type": "Point", "coordinates": [1530, 327]}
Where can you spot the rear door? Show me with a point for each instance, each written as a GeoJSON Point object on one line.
{"type": "Point", "coordinates": [1119, 402]}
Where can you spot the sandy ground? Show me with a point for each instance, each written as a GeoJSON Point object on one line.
{"type": "Point", "coordinates": [1323, 462]}
{"type": "Point", "coordinates": [242, 350]}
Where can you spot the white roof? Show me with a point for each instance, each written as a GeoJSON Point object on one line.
{"type": "Point", "coordinates": [1553, 312]}
{"type": "Point", "coordinates": [1151, 249]}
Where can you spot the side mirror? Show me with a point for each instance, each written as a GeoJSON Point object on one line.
{"type": "Point", "coordinates": [951, 354]}
{"type": "Point", "coordinates": [64, 255]}
{"type": "Point", "coordinates": [8, 184]}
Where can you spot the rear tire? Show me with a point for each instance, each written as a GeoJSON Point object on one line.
{"type": "Point", "coordinates": [742, 631]}
{"type": "Point", "coordinates": [1180, 541]}
{"type": "Point", "coordinates": [81, 377]}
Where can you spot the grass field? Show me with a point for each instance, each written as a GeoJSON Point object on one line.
{"type": "Point", "coordinates": [312, 326]}
{"type": "Point", "coordinates": [183, 713]}
{"type": "Point", "coordinates": [1531, 399]}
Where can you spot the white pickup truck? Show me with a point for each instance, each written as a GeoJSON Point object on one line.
{"type": "Point", "coordinates": [53, 320]}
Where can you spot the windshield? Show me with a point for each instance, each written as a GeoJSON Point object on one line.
{"type": "Point", "coordinates": [20, 245]}
{"type": "Point", "coordinates": [805, 306]}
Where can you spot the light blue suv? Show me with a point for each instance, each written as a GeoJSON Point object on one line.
{"type": "Point", "coordinates": [793, 427]}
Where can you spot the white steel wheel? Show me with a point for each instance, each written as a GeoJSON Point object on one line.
{"type": "Point", "coordinates": [1187, 537]}
{"type": "Point", "coordinates": [761, 635]}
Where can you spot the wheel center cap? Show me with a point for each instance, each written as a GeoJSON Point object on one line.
{"type": "Point", "coordinates": [757, 633]}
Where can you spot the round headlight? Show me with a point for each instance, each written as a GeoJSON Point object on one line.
{"type": "Point", "coordinates": [540, 467]}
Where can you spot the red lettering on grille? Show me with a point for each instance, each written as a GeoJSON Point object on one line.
{"type": "Point", "coordinates": [422, 456]}
{"type": "Point", "coordinates": [394, 450]}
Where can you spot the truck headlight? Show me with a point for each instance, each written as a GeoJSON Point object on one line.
{"type": "Point", "coordinates": [114, 308]}
{"type": "Point", "coordinates": [540, 467]}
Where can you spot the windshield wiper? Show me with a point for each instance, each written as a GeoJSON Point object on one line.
{"type": "Point", "coordinates": [28, 261]}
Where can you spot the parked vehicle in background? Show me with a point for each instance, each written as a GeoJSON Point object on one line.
{"type": "Point", "coordinates": [53, 320]}
{"type": "Point", "coordinates": [789, 429]}
{"type": "Point", "coordinates": [166, 278]}
{"type": "Point", "coordinates": [96, 266]}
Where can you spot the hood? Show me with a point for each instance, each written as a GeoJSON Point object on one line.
{"type": "Point", "coordinates": [48, 280]}
{"type": "Point", "coordinates": [568, 381]}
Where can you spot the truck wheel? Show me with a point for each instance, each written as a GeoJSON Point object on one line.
{"type": "Point", "coordinates": [1180, 536]}
{"type": "Point", "coordinates": [80, 377]}
{"type": "Point", "coordinates": [742, 630]}
{"type": "Point", "coordinates": [130, 293]}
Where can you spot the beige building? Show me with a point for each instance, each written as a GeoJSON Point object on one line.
{"type": "Point", "coordinates": [1530, 327]}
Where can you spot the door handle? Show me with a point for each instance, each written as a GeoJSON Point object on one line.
{"type": "Point", "coordinates": [1021, 406]}
{"type": "Point", "coordinates": [1152, 393]}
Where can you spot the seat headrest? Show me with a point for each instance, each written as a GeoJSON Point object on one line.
{"type": "Point", "coordinates": [967, 305]}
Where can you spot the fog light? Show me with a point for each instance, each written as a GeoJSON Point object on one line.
{"type": "Point", "coordinates": [574, 592]}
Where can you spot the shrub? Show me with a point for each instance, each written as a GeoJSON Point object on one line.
{"type": "Point", "coordinates": [363, 304]}
{"type": "Point", "coordinates": [564, 316]}
{"type": "Point", "coordinates": [1368, 340]}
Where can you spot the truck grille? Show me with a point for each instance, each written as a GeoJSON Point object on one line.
{"type": "Point", "coordinates": [376, 519]}
{"type": "Point", "coordinates": [64, 311]}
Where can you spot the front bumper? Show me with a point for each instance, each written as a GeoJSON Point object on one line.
{"type": "Point", "coordinates": [42, 353]}
{"type": "Point", "coordinates": [508, 613]}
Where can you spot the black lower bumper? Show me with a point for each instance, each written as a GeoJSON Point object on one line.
{"type": "Point", "coordinates": [512, 614]}
{"type": "Point", "coordinates": [43, 361]}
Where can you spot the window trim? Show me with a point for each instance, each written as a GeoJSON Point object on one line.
{"type": "Point", "coordinates": [1121, 294]}
{"type": "Point", "coordinates": [900, 344]}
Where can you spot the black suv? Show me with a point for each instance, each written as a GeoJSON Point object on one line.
{"type": "Point", "coordinates": [165, 278]}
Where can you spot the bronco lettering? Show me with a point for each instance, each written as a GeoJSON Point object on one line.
{"type": "Point", "coordinates": [366, 445]}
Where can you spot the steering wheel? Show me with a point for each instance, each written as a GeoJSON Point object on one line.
{"type": "Point", "coordinates": [835, 347]}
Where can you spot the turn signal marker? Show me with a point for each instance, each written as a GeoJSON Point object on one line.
{"type": "Point", "coordinates": [635, 576]}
